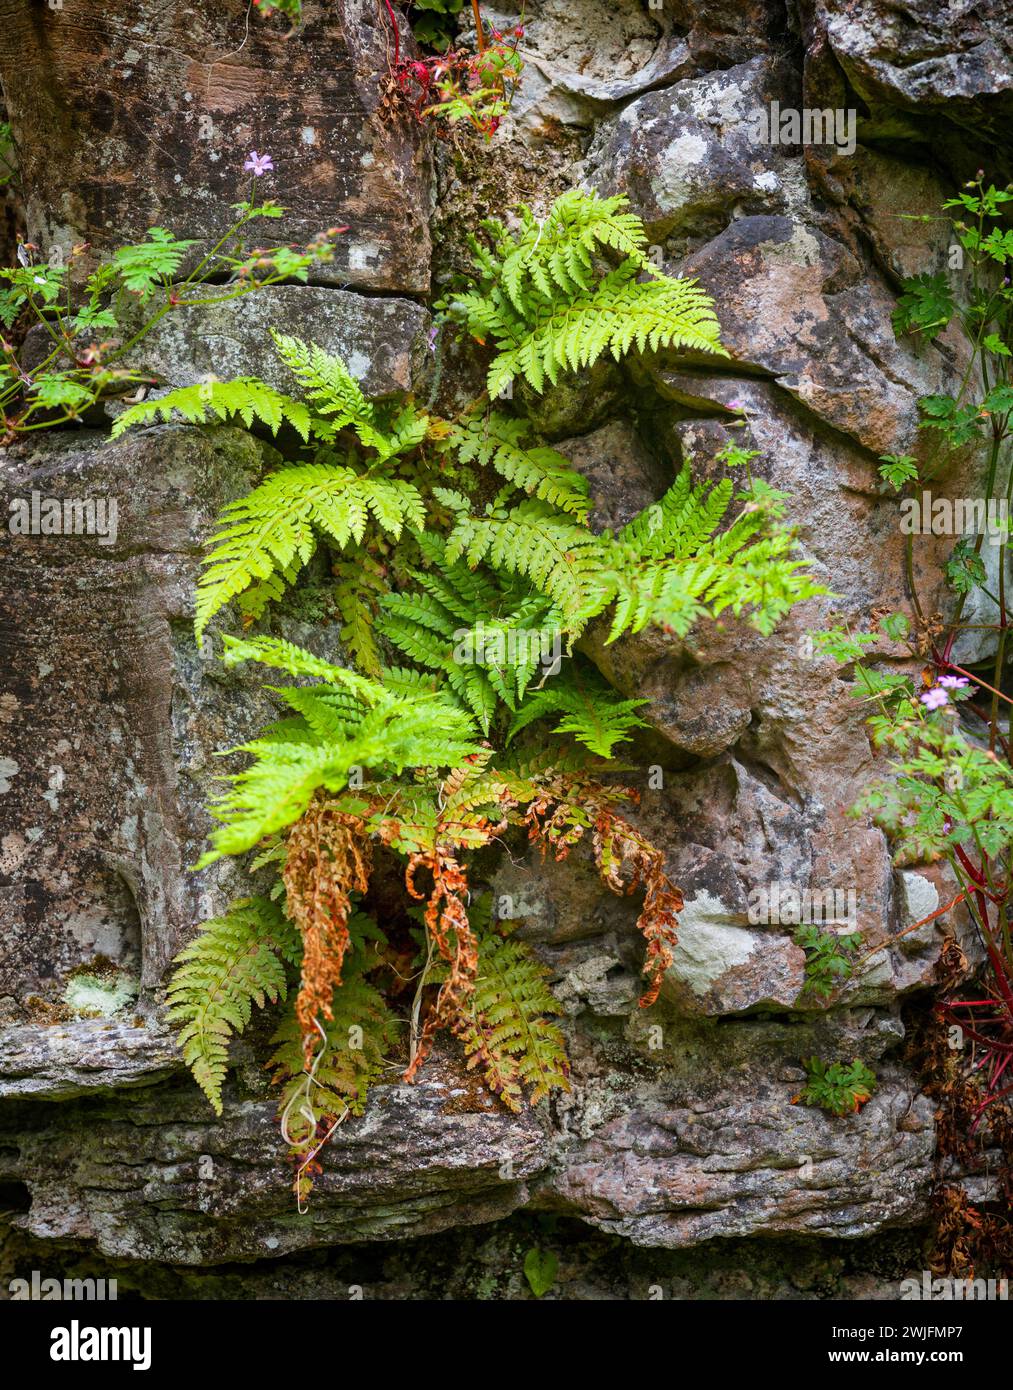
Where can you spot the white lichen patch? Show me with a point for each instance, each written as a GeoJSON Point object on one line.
{"type": "Point", "coordinates": [99, 996]}
{"type": "Point", "coordinates": [919, 897]}
{"type": "Point", "coordinates": [710, 943]}
{"type": "Point", "coordinates": [8, 769]}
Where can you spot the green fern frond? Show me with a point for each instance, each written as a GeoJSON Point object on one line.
{"type": "Point", "coordinates": [282, 655]}
{"type": "Point", "coordinates": [362, 582]}
{"type": "Point", "coordinates": [557, 252]}
{"type": "Point", "coordinates": [336, 1080]}
{"type": "Point", "coordinates": [337, 396]}
{"type": "Point", "coordinates": [267, 536]}
{"type": "Point", "coordinates": [547, 305]}
{"type": "Point", "coordinates": [328, 383]}
{"type": "Point", "coordinates": [507, 1034]}
{"type": "Point", "coordinates": [620, 313]}
{"type": "Point", "coordinates": [486, 637]}
{"type": "Point", "coordinates": [538, 471]}
{"type": "Point", "coordinates": [559, 557]}
{"type": "Point", "coordinates": [237, 961]}
{"type": "Point", "coordinates": [250, 399]}
{"type": "Point", "coordinates": [592, 712]}
{"type": "Point", "coordinates": [414, 730]}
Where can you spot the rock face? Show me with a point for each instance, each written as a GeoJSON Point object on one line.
{"type": "Point", "coordinates": [142, 114]}
{"type": "Point", "coordinates": [680, 1128]}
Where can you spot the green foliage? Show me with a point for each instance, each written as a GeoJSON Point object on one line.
{"type": "Point", "coordinates": [965, 569]}
{"type": "Point", "coordinates": [945, 792]}
{"type": "Point", "coordinates": [362, 583]}
{"type": "Point", "coordinates": [540, 1270]}
{"type": "Point", "coordinates": [482, 605]}
{"type": "Point", "coordinates": [267, 536]}
{"type": "Point", "coordinates": [474, 89]}
{"type": "Point", "coordinates": [898, 469]}
{"type": "Point", "coordinates": [349, 1056]}
{"type": "Point", "coordinates": [540, 471]}
{"type": "Point", "coordinates": [544, 299]}
{"type": "Point", "coordinates": [591, 713]}
{"type": "Point", "coordinates": [829, 958]}
{"type": "Point", "coordinates": [144, 268]}
{"type": "Point", "coordinates": [237, 961]}
{"type": "Point", "coordinates": [925, 307]}
{"type": "Point", "coordinates": [959, 424]}
{"type": "Point", "coordinates": [668, 566]}
{"type": "Point", "coordinates": [486, 635]}
{"type": "Point", "coordinates": [508, 1035]}
{"type": "Point", "coordinates": [433, 22]}
{"type": "Point", "coordinates": [343, 723]}
{"type": "Point", "coordinates": [838, 1088]}
{"type": "Point", "coordinates": [247, 397]}
{"type": "Point", "coordinates": [335, 395]}
{"type": "Point", "coordinates": [292, 9]}
{"type": "Point", "coordinates": [92, 327]}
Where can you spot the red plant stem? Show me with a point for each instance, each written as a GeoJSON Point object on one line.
{"type": "Point", "coordinates": [397, 37]}
{"type": "Point", "coordinates": [990, 1100]}
{"type": "Point", "coordinates": [950, 665]}
{"type": "Point", "coordinates": [480, 32]}
{"type": "Point", "coordinates": [993, 1044]}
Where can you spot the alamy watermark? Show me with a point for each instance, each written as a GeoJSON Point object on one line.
{"type": "Point", "coordinates": [489, 645]}
{"type": "Point", "coordinates": [784, 125]}
{"type": "Point", "coordinates": [954, 1290]}
{"type": "Point", "coordinates": [38, 1289]}
{"type": "Point", "coordinates": [926, 515]}
{"type": "Point", "coordinates": [36, 515]}
{"type": "Point", "coordinates": [782, 904]}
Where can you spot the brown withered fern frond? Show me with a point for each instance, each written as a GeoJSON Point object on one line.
{"type": "Point", "coordinates": [328, 858]}
{"type": "Point", "coordinates": [625, 859]}
{"type": "Point", "coordinates": [450, 931]}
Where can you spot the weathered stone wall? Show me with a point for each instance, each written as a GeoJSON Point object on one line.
{"type": "Point", "coordinates": [132, 113]}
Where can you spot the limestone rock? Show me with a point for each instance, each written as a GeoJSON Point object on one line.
{"type": "Point", "coordinates": [59, 1060]}
{"type": "Point", "coordinates": [383, 342]}
{"type": "Point", "coordinates": [113, 714]}
{"type": "Point", "coordinates": [197, 88]}
{"type": "Point", "coordinates": [153, 1176]}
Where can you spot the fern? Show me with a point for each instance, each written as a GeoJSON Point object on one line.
{"type": "Point", "coordinates": [485, 636]}
{"type": "Point", "coordinates": [266, 537]}
{"type": "Point", "coordinates": [250, 399]}
{"type": "Point", "coordinates": [541, 472]}
{"type": "Point", "coordinates": [336, 395]}
{"type": "Point", "coordinates": [667, 566]}
{"type": "Point", "coordinates": [361, 584]}
{"type": "Point", "coordinates": [236, 962]}
{"type": "Point", "coordinates": [347, 1056]}
{"type": "Point", "coordinates": [591, 712]}
{"type": "Point", "coordinates": [543, 302]}
{"type": "Point", "coordinates": [506, 1032]}
{"type": "Point", "coordinates": [559, 251]}
{"type": "Point", "coordinates": [474, 602]}
{"type": "Point", "coordinates": [557, 555]}
{"type": "Point", "coordinates": [319, 747]}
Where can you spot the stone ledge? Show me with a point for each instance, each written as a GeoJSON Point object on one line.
{"type": "Point", "coordinates": [57, 1061]}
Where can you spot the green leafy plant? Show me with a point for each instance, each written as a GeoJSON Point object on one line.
{"type": "Point", "coordinates": [829, 958]}
{"type": "Point", "coordinates": [540, 1270]}
{"type": "Point", "coordinates": [434, 22]}
{"type": "Point", "coordinates": [839, 1088]}
{"type": "Point", "coordinates": [549, 303]}
{"type": "Point", "coordinates": [93, 329]}
{"type": "Point", "coordinates": [462, 619]}
{"type": "Point", "coordinates": [944, 730]}
{"type": "Point", "coordinates": [236, 962]}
